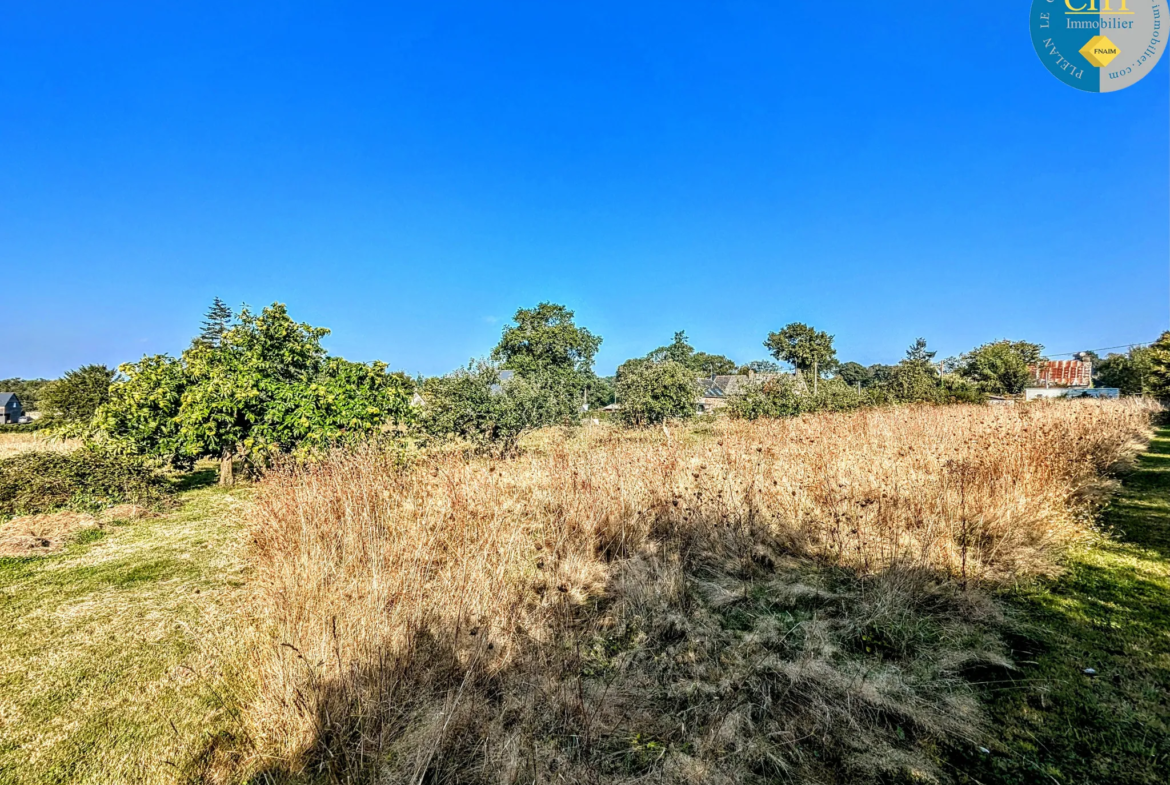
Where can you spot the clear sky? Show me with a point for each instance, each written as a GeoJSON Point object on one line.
{"type": "Point", "coordinates": [408, 174]}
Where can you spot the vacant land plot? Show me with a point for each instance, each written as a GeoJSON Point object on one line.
{"type": "Point", "coordinates": [108, 667]}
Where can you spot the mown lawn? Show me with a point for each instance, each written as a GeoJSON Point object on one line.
{"type": "Point", "coordinates": [107, 666]}
{"type": "Point", "coordinates": [1110, 611]}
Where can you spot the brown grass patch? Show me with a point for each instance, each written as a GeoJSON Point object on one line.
{"type": "Point", "coordinates": [12, 444]}
{"type": "Point", "coordinates": [35, 535]}
{"type": "Point", "coordinates": [773, 600]}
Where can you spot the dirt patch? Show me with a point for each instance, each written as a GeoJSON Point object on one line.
{"type": "Point", "coordinates": [33, 535]}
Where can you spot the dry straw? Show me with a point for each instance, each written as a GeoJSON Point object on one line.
{"type": "Point", "coordinates": [411, 621]}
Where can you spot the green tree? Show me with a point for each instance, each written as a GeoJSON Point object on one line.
{"type": "Point", "coordinates": [545, 341]}
{"type": "Point", "coordinates": [809, 351]}
{"type": "Point", "coordinates": [711, 364]}
{"type": "Point", "coordinates": [76, 396]}
{"type": "Point", "coordinates": [266, 387]}
{"type": "Point", "coordinates": [1002, 366]}
{"type": "Point", "coordinates": [855, 374]}
{"type": "Point", "coordinates": [759, 366]}
{"type": "Point", "coordinates": [1127, 372]}
{"type": "Point", "coordinates": [918, 353]}
{"type": "Point", "coordinates": [681, 352]}
{"type": "Point", "coordinates": [650, 392]}
{"type": "Point", "coordinates": [217, 322]}
{"type": "Point", "coordinates": [476, 405]}
{"type": "Point", "coordinates": [1157, 383]}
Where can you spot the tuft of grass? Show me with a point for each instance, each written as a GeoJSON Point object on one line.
{"type": "Point", "coordinates": [1109, 611]}
{"type": "Point", "coordinates": [108, 667]}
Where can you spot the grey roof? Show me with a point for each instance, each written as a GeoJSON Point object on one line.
{"type": "Point", "coordinates": [6, 397]}
{"type": "Point", "coordinates": [723, 386]}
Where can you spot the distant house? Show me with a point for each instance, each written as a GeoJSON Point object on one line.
{"type": "Point", "coordinates": [715, 390]}
{"type": "Point", "coordinates": [1032, 393]}
{"type": "Point", "coordinates": [10, 409]}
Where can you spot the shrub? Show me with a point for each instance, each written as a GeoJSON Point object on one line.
{"type": "Point", "coordinates": [89, 478]}
{"type": "Point", "coordinates": [476, 405]}
{"type": "Point", "coordinates": [651, 392]}
{"type": "Point", "coordinates": [788, 396]}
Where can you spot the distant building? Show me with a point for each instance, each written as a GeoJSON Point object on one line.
{"type": "Point", "coordinates": [1062, 373]}
{"type": "Point", "coordinates": [11, 411]}
{"type": "Point", "coordinates": [715, 390]}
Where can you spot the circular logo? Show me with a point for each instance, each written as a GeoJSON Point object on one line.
{"type": "Point", "coordinates": [1099, 45]}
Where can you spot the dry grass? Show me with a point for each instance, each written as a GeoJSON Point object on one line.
{"type": "Point", "coordinates": [36, 535]}
{"type": "Point", "coordinates": [12, 444]}
{"type": "Point", "coordinates": [763, 601]}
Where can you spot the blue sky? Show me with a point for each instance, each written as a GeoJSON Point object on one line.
{"type": "Point", "coordinates": [409, 174]}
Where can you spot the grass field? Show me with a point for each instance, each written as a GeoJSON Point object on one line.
{"type": "Point", "coordinates": [1109, 611]}
{"type": "Point", "coordinates": [732, 659]}
{"type": "Point", "coordinates": [108, 669]}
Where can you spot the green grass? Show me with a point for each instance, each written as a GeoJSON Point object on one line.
{"type": "Point", "coordinates": [108, 653]}
{"type": "Point", "coordinates": [1110, 611]}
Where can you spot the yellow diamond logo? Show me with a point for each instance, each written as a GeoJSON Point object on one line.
{"type": "Point", "coordinates": [1100, 51]}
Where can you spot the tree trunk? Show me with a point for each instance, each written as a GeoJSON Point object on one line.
{"type": "Point", "coordinates": [225, 468]}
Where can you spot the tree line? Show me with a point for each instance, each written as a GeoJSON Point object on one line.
{"type": "Point", "coordinates": [255, 385]}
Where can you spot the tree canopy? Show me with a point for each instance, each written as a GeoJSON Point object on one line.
{"type": "Point", "coordinates": [651, 392]}
{"type": "Point", "coordinates": [76, 396]}
{"type": "Point", "coordinates": [1001, 366]}
{"type": "Point", "coordinates": [266, 386]}
{"type": "Point", "coordinates": [803, 347]}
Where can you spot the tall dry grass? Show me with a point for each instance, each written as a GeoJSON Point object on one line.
{"type": "Point", "coordinates": [615, 605]}
{"type": "Point", "coordinates": [13, 444]}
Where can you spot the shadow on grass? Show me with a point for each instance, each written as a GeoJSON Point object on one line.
{"type": "Point", "coordinates": [200, 478]}
{"type": "Point", "coordinates": [1109, 612]}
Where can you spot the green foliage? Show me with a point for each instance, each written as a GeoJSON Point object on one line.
{"type": "Point", "coordinates": [546, 341]}
{"type": "Point", "coordinates": [1001, 367]}
{"type": "Point", "coordinates": [141, 416]}
{"type": "Point", "coordinates": [1127, 372]}
{"type": "Point", "coordinates": [1158, 380]}
{"type": "Point", "coordinates": [789, 396]}
{"type": "Point", "coordinates": [86, 479]}
{"type": "Point", "coordinates": [758, 366]}
{"type": "Point", "coordinates": [266, 387]}
{"type": "Point", "coordinates": [680, 351]}
{"type": "Point", "coordinates": [803, 347]}
{"type": "Point", "coordinates": [711, 364]}
{"type": "Point", "coordinates": [474, 404]}
{"type": "Point", "coordinates": [27, 390]}
{"type": "Point", "coordinates": [76, 397]}
{"type": "Point", "coordinates": [650, 392]}
{"type": "Point", "coordinates": [217, 322]}
{"type": "Point", "coordinates": [855, 374]}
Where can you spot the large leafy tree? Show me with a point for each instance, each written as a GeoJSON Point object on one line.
{"type": "Point", "coordinates": [1001, 366]}
{"type": "Point", "coordinates": [546, 346]}
{"type": "Point", "coordinates": [855, 374]}
{"type": "Point", "coordinates": [75, 397]}
{"type": "Point", "coordinates": [546, 341]}
{"type": "Point", "coordinates": [806, 349]}
{"type": "Point", "coordinates": [1130, 373]}
{"type": "Point", "coordinates": [265, 387]}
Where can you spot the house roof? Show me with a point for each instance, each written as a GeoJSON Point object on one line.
{"type": "Point", "coordinates": [6, 397]}
{"type": "Point", "coordinates": [723, 386]}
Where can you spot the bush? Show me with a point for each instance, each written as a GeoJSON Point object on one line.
{"type": "Point", "coordinates": [88, 479]}
{"type": "Point", "coordinates": [651, 392]}
{"type": "Point", "coordinates": [787, 396]}
{"type": "Point", "coordinates": [474, 404]}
